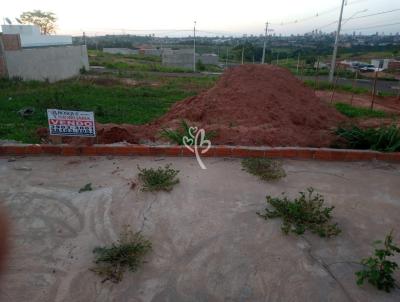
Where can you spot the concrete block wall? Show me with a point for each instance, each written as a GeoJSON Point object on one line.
{"type": "Point", "coordinates": [184, 58]}
{"type": "Point", "coordinates": [48, 63]}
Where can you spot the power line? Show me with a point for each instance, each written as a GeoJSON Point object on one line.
{"type": "Point", "coordinates": [375, 26]}
{"type": "Point", "coordinates": [316, 15]}
{"type": "Point", "coordinates": [360, 17]}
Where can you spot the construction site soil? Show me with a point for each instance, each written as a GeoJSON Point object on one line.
{"type": "Point", "coordinates": [253, 105]}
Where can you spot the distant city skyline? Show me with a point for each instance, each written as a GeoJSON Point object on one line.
{"type": "Point", "coordinates": [175, 17]}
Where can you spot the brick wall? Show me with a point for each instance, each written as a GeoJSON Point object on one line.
{"type": "Point", "coordinates": [394, 66]}
{"type": "Point", "coordinates": [11, 42]}
{"type": "Point", "coordinates": [3, 71]}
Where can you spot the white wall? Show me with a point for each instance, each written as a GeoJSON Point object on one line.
{"type": "Point", "coordinates": [31, 37]}
{"type": "Point", "coordinates": [49, 63]}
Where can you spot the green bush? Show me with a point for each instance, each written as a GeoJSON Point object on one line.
{"type": "Point", "coordinates": [304, 212]}
{"type": "Point", "coordinates": [160, 179]}
{"type": "Point", "coordinates": [127, 253]}
{"type": "Point", "coordinates": [264, 168]}
{"type": "Point", "coordinates": [378, 270]}
{"type": "Point", "coordinates": [352, 111]}
{"type": "Point", "coordinates": [385, 138]}
{"type": "Point", "coordinates": [176, 136]}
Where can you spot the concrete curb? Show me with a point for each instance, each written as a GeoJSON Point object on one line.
{"type": "Point", "coordinates": [216, 151]}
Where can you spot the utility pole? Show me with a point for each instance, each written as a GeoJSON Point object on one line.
{"type": "Point", "coordinates": [194, 47]}
{"type": "Point", "coordinates": [242, 54]}
{"type": "Point", "coordinates": [335, 47]}
{"type": "Point", "coordinates": [265, 42]}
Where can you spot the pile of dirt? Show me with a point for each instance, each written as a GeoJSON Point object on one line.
{"type": "Point", "coordinates": [250, 105]}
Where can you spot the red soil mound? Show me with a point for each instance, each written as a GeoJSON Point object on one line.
{"type": "Point", "coordinates": [249, 105]}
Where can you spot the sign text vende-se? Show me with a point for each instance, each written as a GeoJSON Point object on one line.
{"type": "Point", "coordinates": [71, 123]}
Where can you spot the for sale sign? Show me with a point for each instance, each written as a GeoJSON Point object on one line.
{"type": "Point", "coordinates": [71, 123]}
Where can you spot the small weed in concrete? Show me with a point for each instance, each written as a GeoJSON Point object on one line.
{"type": "Point", "coordinates": [127, 253]}
{"type": "Point", "coordinates": [378, 270]}
{"type": "Point", "coordinates": [264, 168]}
{"type": "Point", "coordinates": [304, 212]}
{"type": "Point", "coordinates": [160, 179]}
{"type": "Point", "coordinates": [87, 187]}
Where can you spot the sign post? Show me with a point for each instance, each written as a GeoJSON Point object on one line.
{"type": "Point", "coordinates": [71, 123]}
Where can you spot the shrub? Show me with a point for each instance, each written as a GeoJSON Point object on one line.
{"type": "Point", "coordinates": [127, 253]}
{"type": "Point", "coordinates": [264, 168]}
{"type": "Point", "coordinates": [160, 179]}
{"type": "Point", "coordinates": [378, 270]}
{"type": "Point", "coordinates": [385, 138]}
{"type": "Point", "coordinates": [176, 136]}
{"type": "Point", "coordinates": [352, 111]}
{"type": "Point", "coordinates": [304, 212]}
{"type": "Point", "coordinates": [200, 66]}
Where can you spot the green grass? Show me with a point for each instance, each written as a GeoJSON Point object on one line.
{"type": "Point", "coordinates": [385, 138]}
{"type": "Point", "coordinates": [141, 63]}
{"type": "Point", "coordinates": [353, 111]}
{"type": "Point", "coordinates": [111, 104]}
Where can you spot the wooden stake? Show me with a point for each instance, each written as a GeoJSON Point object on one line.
{"type": "Point", "coordinates": [334, 86]}
{"type": "Point", "coordinates": [316, 84]}
{"type": "Point", "coordinates": [374, 90]}
{"type": "Point", "coordinates": [302, 70]}
{"type": "Point", "coordinates": [354, 86]}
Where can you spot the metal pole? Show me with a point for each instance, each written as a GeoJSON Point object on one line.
{"type": "Point", "coordinates": [335, 47]}
{"type": "Point", "coordinates": [265, 43]}
{"type": "Point", "coordinates": [194, 47]}
{"type": "Point", "coordinates": [227, 54]}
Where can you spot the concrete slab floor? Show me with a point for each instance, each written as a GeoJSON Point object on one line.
{"type": "Point", "coordinates": [208, 243]}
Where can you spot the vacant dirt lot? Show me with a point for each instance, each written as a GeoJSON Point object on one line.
{"type": "Point", "coordinates": [208, 243]}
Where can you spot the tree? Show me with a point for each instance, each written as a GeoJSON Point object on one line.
{"type": "Point", "coordinates": [45, 20]}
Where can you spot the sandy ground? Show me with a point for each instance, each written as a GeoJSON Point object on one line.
{"type": "Point", "coordinates": [208, 243]}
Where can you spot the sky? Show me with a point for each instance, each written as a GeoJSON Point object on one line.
{"type": "Point", "coordinates": [213, 17]}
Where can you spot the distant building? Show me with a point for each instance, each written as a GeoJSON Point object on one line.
{"type": "Point", "coordinates": [382, 64]}
{"type": "Point", "coordinates": [27, 54]}
{"type": "Point", "coordinates": [184, 58]}
{"type": "Point", "coordinates": [121, 51]}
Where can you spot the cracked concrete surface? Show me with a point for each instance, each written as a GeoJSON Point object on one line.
{"type": "Point", "coordinates": [208, 243]}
